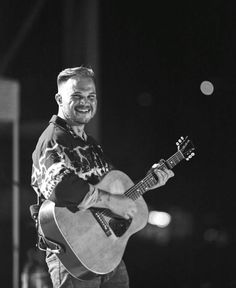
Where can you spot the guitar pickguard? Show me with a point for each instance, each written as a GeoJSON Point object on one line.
{"type": "Point", "coordinates": [119, 226]}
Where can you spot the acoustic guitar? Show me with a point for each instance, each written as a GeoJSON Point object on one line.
{"type": "Point", "coordinates": [92, 242]}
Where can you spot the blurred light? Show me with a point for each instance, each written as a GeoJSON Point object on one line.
{"type": "Point", "coordinates": [160, 219]}
{"type": "Point", "coordinates": [206, 87]}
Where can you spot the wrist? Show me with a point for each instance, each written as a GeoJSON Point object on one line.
{"type": "Point", "coordinates": [104, 198]}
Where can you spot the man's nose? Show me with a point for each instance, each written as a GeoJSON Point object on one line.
{"type": "Point", "coordinates": [83, 100]}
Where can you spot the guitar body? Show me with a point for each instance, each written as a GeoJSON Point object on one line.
{"type": "Point", "coordinates": [92, 242]}
{"type": "Point", "coordinates": [88, 249]}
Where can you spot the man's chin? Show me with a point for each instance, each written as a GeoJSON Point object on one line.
{"type": "Point", "coordinates": [82, 121]}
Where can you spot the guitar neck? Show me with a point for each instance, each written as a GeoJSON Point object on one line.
{"type": "Point", "coordinates": [150, 179]}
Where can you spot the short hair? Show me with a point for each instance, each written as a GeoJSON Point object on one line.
{"type": "Point", "coordinates": [68, 73]}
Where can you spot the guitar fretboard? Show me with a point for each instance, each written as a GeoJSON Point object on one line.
{"type": "Point", "coordinates": [150, 179]}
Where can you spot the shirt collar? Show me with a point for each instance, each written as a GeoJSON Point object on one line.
{"type": "Point", "coordinates": [63, 124]}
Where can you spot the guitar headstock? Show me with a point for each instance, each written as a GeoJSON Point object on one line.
{"type": "Point", "coordinates": [185, 146]}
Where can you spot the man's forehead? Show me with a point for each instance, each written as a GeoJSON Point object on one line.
{"type": "Point", "coordinates": [78, 83]}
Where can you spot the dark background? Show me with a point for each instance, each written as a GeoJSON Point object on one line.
{"type": "Point", "coordinates": [152, 59]}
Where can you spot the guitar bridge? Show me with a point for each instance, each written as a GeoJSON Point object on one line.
{"type": "Point", "coordinates": [101, 221]}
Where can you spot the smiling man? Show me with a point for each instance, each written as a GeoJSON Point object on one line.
{"type": "Point", "coordinates": [67, 165]}
{"type": "Point", "coordinates": [76, 99]}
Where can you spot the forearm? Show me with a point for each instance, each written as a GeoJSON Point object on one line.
{"type": "Point", "coordinates": [103, 199]}
{"type": "Point", "coordinates": [118, 203]}
{"type": "Point", "coordinates": [96, 198]}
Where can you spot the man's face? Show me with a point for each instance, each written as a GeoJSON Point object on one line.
{"type": "Point", "coordinates": [78, 101]}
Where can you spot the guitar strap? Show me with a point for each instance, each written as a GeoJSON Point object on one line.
{"type": "Point", "coordinates": [43, 243]}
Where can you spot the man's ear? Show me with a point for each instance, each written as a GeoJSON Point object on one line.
{"type": "Point", "coordinates": [58, 99]}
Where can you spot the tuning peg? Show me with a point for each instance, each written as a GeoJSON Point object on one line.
{"type": "Point", "coordinates": [181, 139]}
{"type": "Point", "coordinates": [190, 156]}
{"type": "Point", "coordinates": [178, 142]}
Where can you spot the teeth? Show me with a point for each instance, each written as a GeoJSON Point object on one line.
{"type": "Point", "coordinates": [83, 110]}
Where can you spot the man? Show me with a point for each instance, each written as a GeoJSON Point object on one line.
{"type": "Point", "coordinates": [67, 164]}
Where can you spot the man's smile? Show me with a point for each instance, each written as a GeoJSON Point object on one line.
{"type": "Point", "coordinates": [82, 110]}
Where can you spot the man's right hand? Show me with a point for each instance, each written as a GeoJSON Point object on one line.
{"type": "Point", "coordinates": [121, 205]}
{"type": "Point", "coordinates": [118, 203]}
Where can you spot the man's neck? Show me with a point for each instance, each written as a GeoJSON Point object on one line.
{"type": "Point", "coordinates": [78, 129]}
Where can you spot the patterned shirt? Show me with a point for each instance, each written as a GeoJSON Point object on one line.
{"type": "Point", "coordinates": [65, 166]}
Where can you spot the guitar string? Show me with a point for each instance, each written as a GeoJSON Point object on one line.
{"type": "Point", "coordinates": [134, 192]}
{"type": "Point", "coordinates": [141, 187]}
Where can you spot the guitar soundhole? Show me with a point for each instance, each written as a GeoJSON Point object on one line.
{"type": "Point", "coordinates": [119, 226]}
